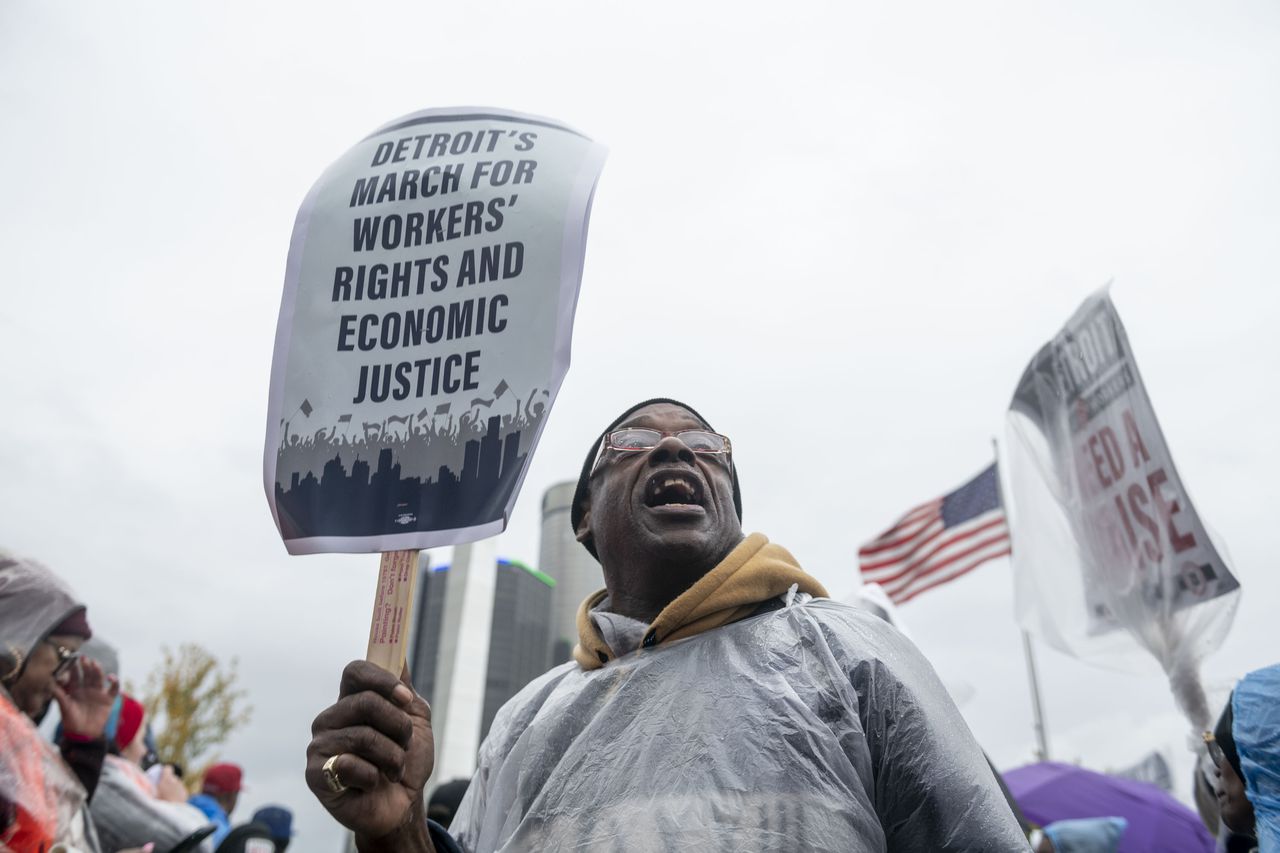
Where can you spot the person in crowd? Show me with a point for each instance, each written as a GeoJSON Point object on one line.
{"type": "Point", "coordinates": [104, 653]}
{"type": "Point", "coordinates": [1204, 794]}
{"type": "Point", "coordinates": [444, 801]}
{"type": "Point", "coordinates": [131, 808]}
{"type": "Point", "coordinates": [219, 792]}
{"type": "Point", "coordinates": [717, 698]}
{"type": "Point", "coordinates": [1081, 835]}
{"type": "Point", "coordinates": [279, 822]}
{"type": "Point", "coordinates": [1245, 748]}
{"type": "Point", "coordinates": [44, 791]}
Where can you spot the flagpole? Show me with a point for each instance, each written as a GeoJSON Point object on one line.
{"type": "Point", "coordinates": [1037, 710]}
{"type": "Point", "coordinates": [1028, 654]}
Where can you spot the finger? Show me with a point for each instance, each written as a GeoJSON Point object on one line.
{"type": "Point", "coordinates": [88, 674]}
{"type": "Point", "coordinates": [71, 677]}
{"type": "Point", "coordinates": [355, 772]}
{"type": "Point", "coordinates": [351, 770]}
{"type": "Point", "coordinates": [60, 695]}
{"type": "Point", "coordinates": [364, 743]}
{"type": "Point", "coordinates": [113, 686]}
{"type": "Point", "coordinates": [366, 709]}
{"type": "Point", "coordinates": [360, 675]}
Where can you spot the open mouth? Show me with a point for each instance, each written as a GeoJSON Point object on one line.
{"type": "Point", "coordinates": [673, 489]}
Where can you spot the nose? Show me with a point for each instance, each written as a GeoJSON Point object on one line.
{"type": "Point", "coordinates": [670, 449]}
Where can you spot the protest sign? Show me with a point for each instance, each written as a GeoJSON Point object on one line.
{"type": "Point", "coordinates": [1105, 535]}
{"type": "Point", "coordinates": [425, 328]}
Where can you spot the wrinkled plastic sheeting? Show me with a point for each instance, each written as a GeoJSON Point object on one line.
{"type": "Point", "coordinates": [1070, 557]}
{"type": "Point", "coordinates": [34, 778]}
{"type": "Point", "coordinates": [816, 727]}
{"type": "Point", "coordinates": [1049, 596]}
{"type": "Point", "coordinates": [1256, 729]}
{"type": "Point", "coordinates": [872, 598]}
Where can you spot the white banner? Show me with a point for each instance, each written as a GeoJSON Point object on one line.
{"type": "Point", "coordinates": [425, 329]}
{"type": "Point", "coordinates": [1104, 532]}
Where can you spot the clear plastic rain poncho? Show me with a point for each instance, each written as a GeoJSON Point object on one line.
{"type": "Point", "coordinates": [43, 799]}
{"type": "Point", "coordinates": [814, 727]}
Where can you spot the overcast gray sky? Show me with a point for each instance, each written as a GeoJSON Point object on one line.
{"type": "Point", "coordinates": [839, 230]}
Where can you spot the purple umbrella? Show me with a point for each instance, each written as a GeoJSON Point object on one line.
{"type": "Point", "coordinates": [1157, 822]}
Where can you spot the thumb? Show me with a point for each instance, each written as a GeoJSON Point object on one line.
{"type": "Point", "coordinates": [404, 692]}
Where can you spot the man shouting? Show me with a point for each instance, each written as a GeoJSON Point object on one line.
{"type": "Point", "coordinates": [717, 699]}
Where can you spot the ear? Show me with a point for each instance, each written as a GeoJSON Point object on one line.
{"type": "Point", "coordinates": [583, 531]}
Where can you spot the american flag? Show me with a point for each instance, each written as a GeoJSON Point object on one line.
{"type": "Point", "coordinates": [938, 541]}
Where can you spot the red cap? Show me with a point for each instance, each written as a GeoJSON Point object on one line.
{"type": "Point", "coordinates": [131, 714]}
{"type": "Point", "coordinates": [222, 779]}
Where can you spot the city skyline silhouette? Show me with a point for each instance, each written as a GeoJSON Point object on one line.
{"type": "Point", "coordinates": [351, 497]}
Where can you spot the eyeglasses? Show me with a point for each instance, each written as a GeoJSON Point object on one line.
{"type": "Point", "coordinates": [66, 657]}
{"type": "Point", "coordinates": [635, 439]}
{"type": "Point", "coordinates": [1216, 755]}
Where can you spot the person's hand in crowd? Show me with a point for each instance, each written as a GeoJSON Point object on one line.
{"type": "Point", "coordinates": [370, 756]}
{"type": "Point", "coordinates": [85, 695]}
{"type": "Point", "coordinates": [169, 787]}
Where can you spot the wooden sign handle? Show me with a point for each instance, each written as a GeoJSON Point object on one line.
{"type": "Point", "coordinates": [393, 610]}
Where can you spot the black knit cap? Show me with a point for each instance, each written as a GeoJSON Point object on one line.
{"type": "Point", "coordinates": [584, 479]}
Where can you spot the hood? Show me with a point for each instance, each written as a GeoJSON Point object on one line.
{"type": "Point", "coordinates": [33, 601]}
{"type": "Point", "coordinates": [1255, 706]}
{"type": "Point", "coordinates": [754, 572]}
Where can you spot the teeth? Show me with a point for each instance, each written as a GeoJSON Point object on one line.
{"type": "Point", "coordinates": [672, 490]}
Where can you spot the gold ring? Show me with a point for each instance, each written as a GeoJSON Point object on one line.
{"type": "Point", "coordinates": [331, 775]}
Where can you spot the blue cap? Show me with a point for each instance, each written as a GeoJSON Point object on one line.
{"type": "Point", "coordinates": [278, 820]}
{"type": "Point", "coordinates": [1087, 835]}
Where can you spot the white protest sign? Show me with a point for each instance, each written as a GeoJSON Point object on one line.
{"type": "Point", "coordinates": [1101, 521]}
{"type": "Point", "coordinates": [425, 329]}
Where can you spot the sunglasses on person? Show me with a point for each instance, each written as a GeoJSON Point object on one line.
{"type": "Point", "coordinates": [636, 439]}
{"type": "Point", "coordinates": [66, 657]}
{"type": "Point", "coordinates": [1216, 755]}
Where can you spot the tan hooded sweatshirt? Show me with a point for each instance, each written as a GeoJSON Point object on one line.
{"type": "Point", "coordinates": [752, 573]}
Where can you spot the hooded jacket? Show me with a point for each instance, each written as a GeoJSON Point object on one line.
{"type": "Point", "coordinates": [41, 800]}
